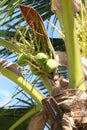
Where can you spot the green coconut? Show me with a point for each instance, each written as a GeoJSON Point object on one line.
{"type": "Point", "coordinates": [51, 65]}
{"type": "Point", "coordinates": [22, 60]}
{"type": "Point", "coordinates": [41, 58]}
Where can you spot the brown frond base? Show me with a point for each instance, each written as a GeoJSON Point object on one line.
{"type": "Point", "coordinates": [67, 111]}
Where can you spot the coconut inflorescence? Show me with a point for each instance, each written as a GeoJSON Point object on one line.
{"type": "Point", "coordinates": [43, 61]}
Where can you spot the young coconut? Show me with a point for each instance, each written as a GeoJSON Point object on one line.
{"type": "Point", "coordinates": [41, 58]}
{"type": "Point", "coordinates": [51, 65]}
{"type": "Point", "coordinates": [22, 60]}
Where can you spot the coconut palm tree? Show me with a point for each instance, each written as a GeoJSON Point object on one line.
{"type": "Point", "coordinates": [54, 110]}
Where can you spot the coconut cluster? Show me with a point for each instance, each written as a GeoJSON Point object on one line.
{"type": "Point", "coordinates": [49, 64]}
{"type": "Point", "coordinates": [42, 60]}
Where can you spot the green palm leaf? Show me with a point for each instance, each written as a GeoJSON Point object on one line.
{"type": "Point", "coordinates": [10, 11]}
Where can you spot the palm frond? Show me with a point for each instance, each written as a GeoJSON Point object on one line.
{"type": "Point", "coordinates": [11, 16]}
{"type": "Point", "coordinates": [11, 115]}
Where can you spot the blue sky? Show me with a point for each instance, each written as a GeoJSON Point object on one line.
{"type": "Point", "coordinates": [6, 90]}
{"type": "Point", "coordinates": [7, 87]}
